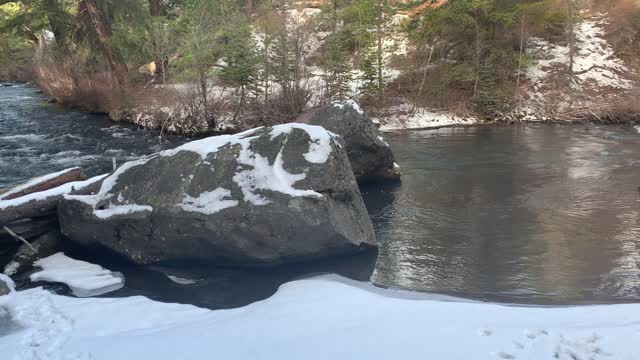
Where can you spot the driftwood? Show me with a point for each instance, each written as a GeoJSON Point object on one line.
{"type": "Point", "coordinates": [19, 238]}
{"type": "Point", "coordinates": [69, 175]}
{"type": "Point", "coordinates": [38, 204]}
{"type": "Point", "coordinates": [30, 228]}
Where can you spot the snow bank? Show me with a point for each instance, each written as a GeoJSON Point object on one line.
{"type": "Point", "coordinates": [83, 278]}
{"type": "Point", "coordinates": [399, 118]}
{"type": "Point", "coordinates": [320, 318]}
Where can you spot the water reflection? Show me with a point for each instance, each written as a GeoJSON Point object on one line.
{"type": "Point", "coordinates": [541, 214]}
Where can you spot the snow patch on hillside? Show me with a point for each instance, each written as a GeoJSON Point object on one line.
{"type": "Point", "coordinates": [596, 70]}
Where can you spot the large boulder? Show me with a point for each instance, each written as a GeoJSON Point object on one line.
{"type": "Point", "coordinates": [265, 196]}
{"type": "Point", "coordinates": [371, 157]}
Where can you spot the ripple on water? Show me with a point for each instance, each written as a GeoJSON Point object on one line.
{"type": "Point", "coordinates": [541, 214]}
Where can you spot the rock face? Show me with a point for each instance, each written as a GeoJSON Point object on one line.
{"type": "Point", "coordinates": [371, 157]}
{"type": "Point", "coordinates": [265, 196]}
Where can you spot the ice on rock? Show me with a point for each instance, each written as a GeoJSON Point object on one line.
{"type": "Point", "coordinates": [83, 278]}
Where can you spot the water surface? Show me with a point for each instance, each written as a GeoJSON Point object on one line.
{"type": "Point", "coordinates": [531, 213]}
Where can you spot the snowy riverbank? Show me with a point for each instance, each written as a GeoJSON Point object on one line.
{"type": "Point", "coordinates": [320, 318]}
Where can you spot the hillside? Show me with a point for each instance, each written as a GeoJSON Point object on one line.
{"type": "Point", "coordinates": [409, 64]}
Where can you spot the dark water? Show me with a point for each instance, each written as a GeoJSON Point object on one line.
{"type": "Point", "coordinates": [542, 214]}
{"type": "Point", "coordinates": [535, 214]}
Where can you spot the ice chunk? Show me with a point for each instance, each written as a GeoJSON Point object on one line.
{"type": "Point", "coordinates": [83, 278]}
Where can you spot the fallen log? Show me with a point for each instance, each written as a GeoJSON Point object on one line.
{"type": "Point", "coordinates": [43, 183]}
{"type": "Point", "coordinates": [40, 203]}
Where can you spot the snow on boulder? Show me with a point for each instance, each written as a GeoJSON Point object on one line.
{"type": "Point", "coordinates": [370, 156]}
{"type": "Point", "coordinates": [264, 196]}
{"type": "Point", "coordinates": [83, 278]}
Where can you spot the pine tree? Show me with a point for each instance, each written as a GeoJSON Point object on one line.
{"type": "Point", "coordinates": [337, 69]}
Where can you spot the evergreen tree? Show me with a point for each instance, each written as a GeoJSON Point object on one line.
{"type": "Point", "coordinates": [337, 69]}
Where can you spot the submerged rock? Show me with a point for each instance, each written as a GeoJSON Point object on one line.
{"type": "Point", "coordinates": [265, 196]}
{"type": "Point", "coordinates": [21, 265]}
{"type": "Point", "coordinates": [371, 157]}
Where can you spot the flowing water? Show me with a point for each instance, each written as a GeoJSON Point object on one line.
{"type": "Point", "coordinates": [533, 213]}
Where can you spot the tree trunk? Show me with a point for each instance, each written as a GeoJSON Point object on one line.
{"type": "Point", "coordinates": [424, 78]}
{"type": "Point", "coordinates": [520, 57]}
{"type": "Point", "coordinates": [202, 78]}
{"type": "Point", "coordinates": [478, 51]}
{"type": "Point", "coordinates": [571, 35]}
{"type": "Point", "coordinates": [97, 23]}
{"type": "Point", "coordinates": [57, 27]}
{"type": "Point", "coordinates": [155, 8]}
{"type": "Point", "coordinates": [379, 54]}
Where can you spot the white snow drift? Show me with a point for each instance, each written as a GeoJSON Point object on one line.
{"type": "Point", "coordinates": [321, 318]}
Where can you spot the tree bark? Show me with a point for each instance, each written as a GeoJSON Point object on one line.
{"type": "Point", "coordinates": [571, 35]}
{"type": "Point", "coordinates": [379, 54]}
{"type": "Point", "coordinates": [478, 52]}
{"type": "Point", "coordinates": [57, 27]}
{"type": "Point", "coordinates": [155, 7]}
{"type": "Point", "coordinates": [97, 23]}
{"type": "Point", "coordinates": [520, 57]}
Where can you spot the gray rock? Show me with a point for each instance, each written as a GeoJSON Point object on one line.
{"type": "Point", "coordinates": [371, 157]}
{"type": "Point", "coordinates": [266, 196]}
{"type": "Point", "coordinates": [4, 289]}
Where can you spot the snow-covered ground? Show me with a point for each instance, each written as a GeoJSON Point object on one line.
{"type": "Point", "coordinates": [320, 318]}
{"type": "Point", "coordinates": [400, 118]}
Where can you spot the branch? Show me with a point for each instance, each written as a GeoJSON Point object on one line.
{"type": "Point", "coordinates": [19, 238]}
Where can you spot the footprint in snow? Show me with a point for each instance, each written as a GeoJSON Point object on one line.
{"type": "Point", "coordinates": [533, 334]}
{"type": "Point", "coordinates": [504, 355]}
